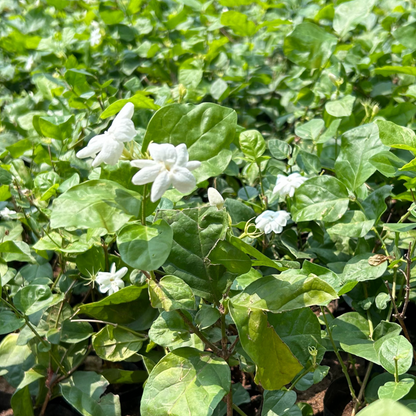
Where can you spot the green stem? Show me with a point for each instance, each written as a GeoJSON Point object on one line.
{"type": "Point", "coordinates": [396, 370]}
{"type": "Point", "coordinates": [263, 197]}
{"type": "Point", "coordinates": [44, 343]}
{"type": "Point", "coordinates": [381, 241]}
{"type": "Point", "coordinates": [300, 376]}
{"type": "Point", "coordinates": [344, 369]}
{"type": "Point", "coordinates": [238, 410]}
{"type": "Point", "coordinates": [393, 294]}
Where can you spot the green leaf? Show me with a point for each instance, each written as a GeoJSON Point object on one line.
{"type": "Point", "coordinates": [387, 163]}
{"type": "Point", "coordinates": [239, 23]}
{"type": "Point", "coordinates": [171, 293]}
{"type": "Point", "coordinates": [145, 247]}
{"type": "Point", "coordinates": [9, 322]}
{"type": "Point", "coordinates": [56, 127]}
{"type": "Point", "coordinates": [231, 257]}
{"type": "Point", "coordinates": [73, 332]}
{"type": "Point", "coordinates": [396, 350]}
{"type": "Point", "coordinates": [359, 269]}
{"type": "Point", "coordinates": [374, 205]}
{"type": "Point", "coordinates": [207, 316]}
{"type": "Point", "coordinates": [140, 100]}
{"type": "Point", "coordinates": [84, 390]}
{"type": "Point", "coordinates": [33, 298]}
{"type": "Point", "coordinates": [353, 224]}
{"type": "Point", "coordinates": [406, 35]}
{"type": "Point", "coordinates": [309, 45]}
{"type": "Point", "coordinates": [252, 144]}
{"type": "Point", "coordinates": [340, 108]}
{"type": "Point", "coordinates": [302, 292]}
{"type": "Point", "coordinates": [280, 403]}
{"type": "Point", "coordinates": [388, 70]}
{"type": "Point", "coordinates": [396, 136]}
{"type": "Point", "coordinates": [214, 166]}
{"type": "Point", "coordinates": [95, 204]}
{"type": "Point", "coordinates": [357, 146]}
{"type": "Point", "coordinates": [385, 407]}
{"type": "Point", "coordinates": [129, 305]}
{"type": "Point", "coordinates": [204, 227]}
{"type": "Point", "coordinates": [279, 149]}
{"type": "Point", "coordinates": [190, 73]}
{"type": "Point", "coordinates": [298, 329]}
{"type": "Point", "coordinates": [21, 402]}
{"type": "Point", "coordinates": [396, 391]}
{"type": "Point", "coordinates": [275, 363]}
{"type": "Point", "coordinates": [186, 381]}
{"type": "Point", "coordinates": [320, 198]}
{"type": "Point", "coordinates": [116, 344]}
{"type": "Point", "coordinates": [206, 129]}
{"type": "Point", "coordinates": [117, 376]}
{"type": "Point", "coordinates": [349, 14]}
{"type": "Point", "coordinates": [218, 89]}
{"type": "Point", "coordinates": [16, 251]}
{"type": "Point", "coordinates": [310, 130]}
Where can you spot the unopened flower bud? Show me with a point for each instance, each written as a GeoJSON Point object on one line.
{"type": "Point", "coordinates": [215, 199]}
{"type": "Point", "coordinates": [376, 109]}
{"type": "Point", "coordinates": [333, 78]}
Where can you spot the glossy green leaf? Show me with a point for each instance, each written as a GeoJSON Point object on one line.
{"type": "Point", "coordinates": [204, 227]}
{"type": "Point", "coordinates": [95, 204]}
{"type": "Point", "coordinates": [9, 322]}
{"type": "Point", "coordinates": [186, 381]}
{"type": "Point", "coordinates": [352, 224]}
{"type": "Point", "coordinates": [280, 403]}
{"type": "Point", "coordinates": [385, 407]}
{"type": "Point", "coordinates": [171, 293]}
{"type": "Point", "coordinates": [348, 15]}
{"type": "Point", "coordinates": [396, 351]}
{"type": "Point", "coordinates": [357, 146]}
{"type": "Point", "coordinates": [309, 45]}
{"type": "Point", "coordinates": [239, 23]}
{"type": "Point", "coordinates": [129, 305]}
{"type": "Point", "coordinates": [360, 270]}
{"type": "Point", "coordinates": [275, 363]}
{"type": "Point", "coordinates": [145, 247]}
{"type": "Point", "coordinates": [116, 344]}
{"type": "Point", "coordinates": [21, 402]}
{"type": "Point", "coordinates": [388, 70]}
{"type": "Point", "coordinates": [310, 130]}
{"type": "Point", "coordinates": [73, 332]}
{"type": "Point", "coordinates": [387, 163]}
{"type": "Point", "coordinates": [33, 298]}
{"type": "Point", "coordinates": [231, 257]}
{"type": "Point", "coordinates": [16, 251]}
{"type": "Point", "coordinates": [320, 198]}
{"type": "Point", "coordinates": [302, 292]}
{"type": "Point", "coordinates": [206, 129]}
{"type": "Point", "coordinates": [396, 391]}
{"type": "Point", "coordinates": [252, 144]}
{"type": "Point", "coordinates": [56, 127]}
{"type": "Point", "coordinates": [396, 136]}
{"type": "Point", "coordinates": [340, 108]}
{"type": "Point", "coordinates": [139, 100]}
{"type": "Point", "coordinates": [84, 390]}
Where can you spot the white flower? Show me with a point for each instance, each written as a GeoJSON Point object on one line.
{"type": "Point", "coordinates": [215, 199]}
{"type": "Point", "coordinates": [270, 221]}
{"type": "Point", "coordinates": [170, 166]}
{"type": "Point", "coordinates": [6, 212]}
{"type": "Point", "coordinates": [111, 282]}
{"type": "Point", "coordinates": [110, 144]}
{"type": "Point", "coordinates": [29, 63]}
{"type": "Point", "coordinates": [286, 185]}
{"type": "Point", "coordinates": [95, 36]}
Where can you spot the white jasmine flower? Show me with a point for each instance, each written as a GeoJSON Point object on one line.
{"type": "Point", "coordinates": [215, 199]}
{"type": "Point", "coordinates": [286, 185]}
{"type": "Point", "coordinates": [95, 36]}
{"type": "Point", "coordinates": [111, 282]}
{"type": "Point", "coordinates": [270, 221]}
{"type": "Point", "coordinates": [29, 63]}
{"type": "Point", "coordinates": [170, 166]}
{"type": "Point", "coordinates": [110, 144]}
{"type": "Point", "coordinates": [6, 212]}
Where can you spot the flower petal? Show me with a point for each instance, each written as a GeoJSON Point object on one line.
{"type": "Point", "coordinates": [147, 175]}
{"type": "Point", "coordinates": [124, 132]}
{"type": "Point", "coordinates": [93, 147]}
{"type": "Point", "coordinates": [182, 155]}
{"type": "Point", "coordinates": [143, 163]}
{"type": "Point", "coordinates": [182, 179]}
{"type": "Point", "coordinates": [110, 153]}
{"type": "Point", "coordinates": [164, 152]}
{"type": "Point", "coordinates": [160, 186]}
{"type": "Point", "coordinates": [120, 273]}
{"type": "Point", "coordinates": [126, 113]}
{"type": "Point", "coordinates": [193, 164]}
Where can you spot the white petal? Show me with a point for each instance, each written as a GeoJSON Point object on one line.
{"type": "Point", "coordinates": [93, 147]}
{"type": "Point", "coordinates": [182, 155]}
{"type": "Point", "coordinates": [98, 160]}
{"type": "Point", "coordinates": [111, 152]}
{"type": "Point", "coordinates": [182, 179]}
{"type": "Point", "coordinates": [147, 175]}
{"type": "Point", "coordinates": [123, 132]}
{"type": "Point", "coordinates": [113, 268]}
{"type": "Point", "coordinates": [103, 277]}
{"type": "Point", "coordinates": [105, 288]}
{"type": "Point", "coordinates": [215, 198]}
{"type": "Point", "coordinates": [143, 163]}
{"type": "Point", "coordinates": [193, 164]}
{"type": "Point", "coordinates": [126, 113]}
{"type": "Point", "coordinates": [160, 186]}
{"type": "Point", "coordinates": [120, 273]}
{"type": "Point", "coordinates": [165, 152]}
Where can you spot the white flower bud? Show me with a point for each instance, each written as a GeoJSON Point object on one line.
{"type": "Point", "coordinates": [215, 199]}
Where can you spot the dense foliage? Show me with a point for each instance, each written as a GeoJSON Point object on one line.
{"type": "Point", "coordinates": [299, 113]}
